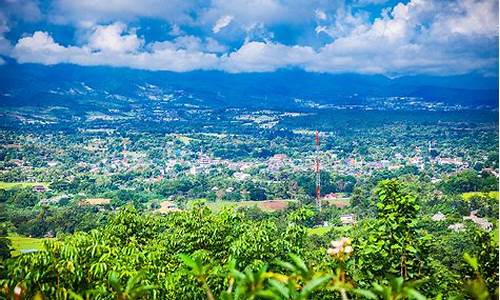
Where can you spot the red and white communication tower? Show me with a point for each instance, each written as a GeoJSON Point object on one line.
{"type": "Point", "coordinates": [318, 174]}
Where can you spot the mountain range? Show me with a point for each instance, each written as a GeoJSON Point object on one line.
{"type": "Point", "coordinates": [71, 85]}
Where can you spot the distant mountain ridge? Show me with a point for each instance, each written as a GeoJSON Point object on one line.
{"type": "Point", "coordinates": [67, 85]}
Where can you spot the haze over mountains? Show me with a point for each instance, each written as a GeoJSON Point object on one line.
{"type": "Point", "coordinates": [71, 86]}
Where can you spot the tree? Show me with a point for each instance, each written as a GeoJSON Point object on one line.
{"type": "Point", "coordinates": [24, 198]}
{"type": "Point", "coordinates": [390, 244]}
{"type": "Point", "coordinates": [5, 243]}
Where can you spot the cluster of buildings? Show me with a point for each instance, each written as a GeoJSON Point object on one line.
{"type": "Point", "coordinates": [481, 222]}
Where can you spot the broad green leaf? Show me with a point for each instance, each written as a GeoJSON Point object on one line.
{"type": "Point", "coordinates": [299, 263]}
{"type": "Point", "coordinates": [280, 288]}
{"type": "Point", "coordinates": [314, 284]}
{"type": "Point", "coordinates": [365, 293]}
{"type": "Point", "coordinates": [413, 294]}
{"type": "Point", "coordinates": [472, 261]}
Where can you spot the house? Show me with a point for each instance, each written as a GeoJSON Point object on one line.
{"type": "Point", "coordinates": [456, 227]}
{"type": "Point", "coordinates": [330, 196]}
{"type": "Point", "coordinates": [17, 162]}
{"type": "Point", "coordinates": [39, 188]}
{"type": "Point", "coordinates": [53, 200]}
{"type": "Point", "coordinates": [241, 176]}
{"type": "Point", "coordinates": [483, 223]}
{"type": "Point", "coordinates": [276, 162]}
{"type": "Point", "coordinates": [167, 207]}
{"type": "Point", "coordinates": [348, 219]}
{"type": "Point", "coordinates": [438, 217]}
{"type": "Point", "coordinates": [490, 171]}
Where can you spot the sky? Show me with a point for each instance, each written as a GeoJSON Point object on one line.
{"type": "Point", "coordinates": [393, 38]}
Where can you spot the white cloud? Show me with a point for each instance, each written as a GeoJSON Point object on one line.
{"type": "Point", "coordinates": [320, 29]}
{"type": "Point", "coordinates": [409, 39]}
{"type": "Point", "coordinates": [182, 54]}
{"type": "Point", "coordinates": [344, 23]}
{"type": "Point", "coordinates": [470, 18]}
{"type": "Point", "coordinates": [112, 38]}
{"type": "Point", "coordinates": [221, 23]}
{"type": "Point", "coordinates": [266, 57]}
{"type": "Point", "coordinates": [422, 36]}
{"type": "Point", "coordinates": [41, 48]}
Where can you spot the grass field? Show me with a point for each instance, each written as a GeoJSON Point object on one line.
{"type": "Point", "coordinates": [16, 185]}
{"type": "Point", "coordinates": [339, 202]}
{"type": "Point", "coordinates": [493, 195]}
{"type": "Point", "coordinates": [268, 205]}
{"type": "Point", "coordinates": [96, 201]}
{"type": "Point", "coordinates": [20, 243]}
{"type": "Point", "coordinates": [318, 230]}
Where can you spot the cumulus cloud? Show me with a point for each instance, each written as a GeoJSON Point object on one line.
{"type": "Point", "coordinates": [344, 23]}
{"type": "Point", "coordinates": [410, 38]}
{"type": "Point", "coordinates": [421, 36]}
{"type": "Point", "coordinates": [266, 57]}
{"type": "Point", "coordinates": [113, 38]}
{"type": "Point", "coordinates": [181, 55]}
{"type": "Point", "coordinates": [41, 48]}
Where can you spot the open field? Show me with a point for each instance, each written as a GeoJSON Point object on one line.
{"type": "Point", "coordinates": [338, 202]}
{"type": "Point", "coordinates": [24, 243]}
{"type": "Point", "coordinates": [95, 201]}
{"type": "Point", "coordinates": [267, 205]}
{"type": "Point", "coordinates": [17, 185]}
{"type": "Point", "coordinates": [322, 230]}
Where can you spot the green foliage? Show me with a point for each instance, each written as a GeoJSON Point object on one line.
{"type": "Point", "coordinates": [390, 245]}
{"type": "Point", "coordinates": [5, 244]}
{"type": "Point", "coordinates": [396, 289]}
{"type": "Point", "coordinates": [200, 254]}
{"type": "Point", "coordinates": [470, 181]}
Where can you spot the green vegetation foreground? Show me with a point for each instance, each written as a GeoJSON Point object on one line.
{"type": "Point", "coordinates": [199, 254]}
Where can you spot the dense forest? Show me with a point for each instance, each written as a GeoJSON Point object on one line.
{"type": "Point", "coordinates": [395, 253]}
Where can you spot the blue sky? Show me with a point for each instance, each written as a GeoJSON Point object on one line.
{"type": "Point", "coordinates": [395, 38]}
